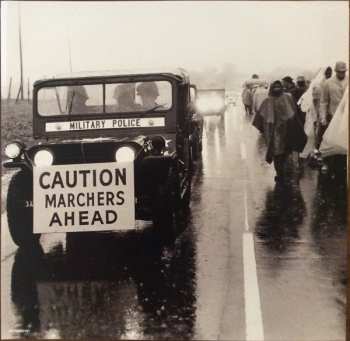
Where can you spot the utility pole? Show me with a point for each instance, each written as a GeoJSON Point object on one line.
{"type": "Point", "coordinates": [9, 93]}
{"type": "Point", "coordinates": [70, 56]}
{"type": "Point", "coordinates": [28, 92]}
{"type": "Point", "coordinates": [20, 91]}
{"type": "Point", "coordinates": [69, 47]}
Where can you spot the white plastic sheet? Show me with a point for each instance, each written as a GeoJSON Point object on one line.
{"type": "Point", "coordinates": [309, 129]}
{"type": "Point", "coordinates": [307, 106]}
{"type": "Point", "coordinates": [305, 101]}
{"type": "Point", "coordinates": [335, 138]}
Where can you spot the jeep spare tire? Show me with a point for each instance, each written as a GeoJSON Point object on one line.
{"type": "Point", "coordinates": [20, 210]}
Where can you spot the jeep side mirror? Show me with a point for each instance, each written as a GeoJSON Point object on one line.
{"type": "Point", "coordinates": [193, 92]}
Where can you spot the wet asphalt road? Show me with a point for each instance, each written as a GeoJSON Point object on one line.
{"type": "Point", "coordinates": [255, 262]}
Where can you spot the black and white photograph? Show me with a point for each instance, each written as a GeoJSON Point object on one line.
{"type": "Point", "coordinates": [174, 170]}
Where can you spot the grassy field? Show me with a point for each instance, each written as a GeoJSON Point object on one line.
{"type": "Point", "coordinates": [16, 122]}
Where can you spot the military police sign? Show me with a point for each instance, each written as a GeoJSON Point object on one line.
{"type": "Point", "coordinates": [84, 197]}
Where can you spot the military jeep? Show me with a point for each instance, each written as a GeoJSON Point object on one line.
{"type": "Point", "coordinates": [109, 149]}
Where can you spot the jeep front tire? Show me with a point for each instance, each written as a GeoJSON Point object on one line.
{"type": "Point", "coordinates": [20, 210]}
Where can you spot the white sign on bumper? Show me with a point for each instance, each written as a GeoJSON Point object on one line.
{"type": "Point", "coordinates": [84, 197]}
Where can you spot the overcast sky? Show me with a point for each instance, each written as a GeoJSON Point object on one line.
{"type": "Point", "coordinates": [255, 36]}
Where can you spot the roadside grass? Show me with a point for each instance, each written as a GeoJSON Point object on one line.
{"type": "Point", "coordinates": [16, 122]}
{"type": "Point", "coordinates": [16, 125]}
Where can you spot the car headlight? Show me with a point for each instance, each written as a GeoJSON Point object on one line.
{"type": "Point", "coordinates": [125, 154]}
{"type": "Point", "coordinates": [13, 150]}
{"type": "Point", "coordinates": [43, 158]}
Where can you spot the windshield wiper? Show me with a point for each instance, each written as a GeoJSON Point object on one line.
{"type": "Point", "coordinates": [154, 108]}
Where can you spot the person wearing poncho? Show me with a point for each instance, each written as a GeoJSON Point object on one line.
{"type": "Point", "coordinates": [335, 138]}
{"type": "Point", "coordinates": [249, 88]}
{"type": "Point", "coordinates": [312, 122]}
{"type": "Point", "coordinates": [259, 96]}
{"type": "Point", "coordinates": [334, 146]}
{"type": "Point", "coordinates": [332, 92]}
{"type": "Point", "coordinates": [310, 103]}
{"type": "Point", "coordinates": [276, 120]}
{"type": "Point", "coordinates": [247, 98]}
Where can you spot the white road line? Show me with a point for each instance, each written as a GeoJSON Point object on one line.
{"type": "Point", "coordinates": [246, 224]}
{"type": "Point", "coordinates": [253, 315]}
{"type": "Point", "coordinates": [243, 151]}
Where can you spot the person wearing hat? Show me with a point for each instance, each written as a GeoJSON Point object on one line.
{"type": "Point", "coordinates": [288, 85]}
{"type": "Point", "coordinates": [332, 93]}
{"type": "Point", "coordinates": [76, 99]}
{"type": "Point", "coordinates": [124, 94]}
{"type": "Point", "coordinates": [148, 91]}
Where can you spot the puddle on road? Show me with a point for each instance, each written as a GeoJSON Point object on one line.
{"type": "Point", "coordinates": [82, 290]}
{"type": "Point", "coordinates": [301, 252]}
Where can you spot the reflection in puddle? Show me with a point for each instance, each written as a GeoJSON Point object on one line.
{"type": "Point", "coordinates": [329, 234]}
{"type": "Point", "coordinates": [107, 286]}
{"type": "Point", "coordinates": [280, 221]}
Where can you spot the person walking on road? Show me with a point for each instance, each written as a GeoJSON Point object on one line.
{"type": "Point", "coordinates": [327, 73]}
{"type": "Point", "coordinates": [332, 94]}
{"type": "Point", "coordinates": [249, 88]}
{"type": "Point", "coordinates": [247, 99]}
{"type": "Point", "coordinates": [320, 128]}
{"type": "Point", "coordinates": [299, 91]}
{"type": "Point", "coordinates": [312, 123]}
{"type": "Point", "coordinates": [288, 85]}
{"type": "Point", "coordinates": [260, 94]}
{"type": "Point", "coordinates": [283, 133]}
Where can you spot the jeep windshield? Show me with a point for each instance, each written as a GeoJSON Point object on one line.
{"type": "Point", "coordinates": [131, 97]}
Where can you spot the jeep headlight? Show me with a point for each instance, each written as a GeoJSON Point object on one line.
{"type": "Point", "coordinates": [125, 154]}
{"type": "Point", "coordinates": [13, 150]}
{"type": "Point", "coordinates": [43, 158]}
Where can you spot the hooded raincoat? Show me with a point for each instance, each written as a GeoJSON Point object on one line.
{"type": "Point", "coordinates": [277, 121]}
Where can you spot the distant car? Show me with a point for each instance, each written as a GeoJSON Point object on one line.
{"type": "Point", "coordinates": [211, 102]}
{"type": "Point", "coordinates": [109, 150]}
